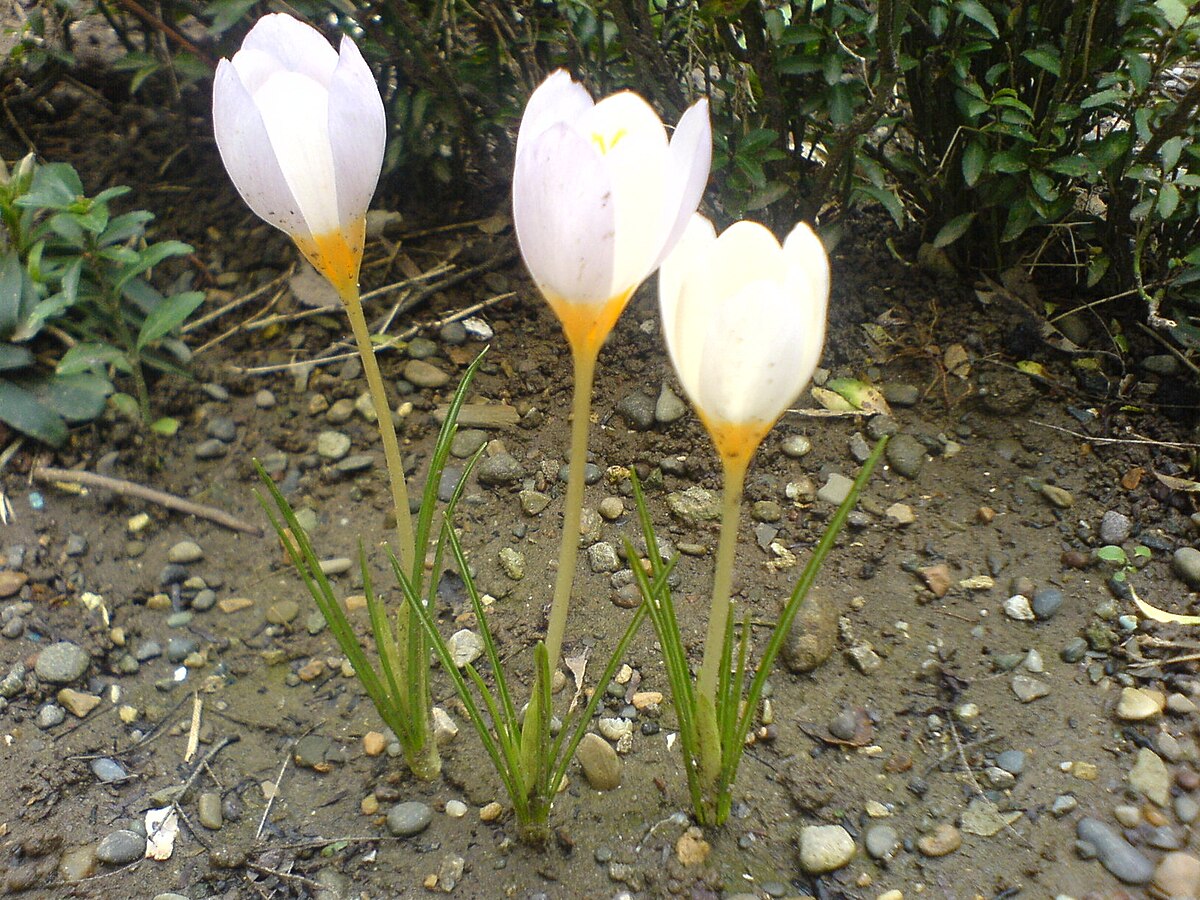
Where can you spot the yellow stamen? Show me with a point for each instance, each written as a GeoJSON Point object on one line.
{"type": "Point", "coordinates": [586, 325]}
{"type": "Point", "coordinates": [337, 254]}
{"type": "Point", "coordinates": [605, 143]}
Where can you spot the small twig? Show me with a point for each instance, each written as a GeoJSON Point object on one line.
{"type": "Point", "coordinates": [238, 301]}
{"type": "Point", "coordinates": [1174, 445]}
{"type": "Point", "coordinates": [20, 132]}
{"type": "Point", "coordinates": [240, 326]}
{"type": "Point", "coordinates": [1171, 348]}
{"type": "Point", "coordinates": [125, 488]}
{"type": "Point", "coordinates": [155, 733]}
{"type": "Point", "coordinates": [203, 764]}
{"type": "Point", "coordinates": [279, 780]}
{"type": "Point", "coordinates": [315, 886]}
{"type": "Point", "coordinates": [193, 743]}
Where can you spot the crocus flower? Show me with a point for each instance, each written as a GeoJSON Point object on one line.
{"type": "Point", "coordinates": [301, 131]}
{"type": "Point", "coordinates": [744, 320]}
{"type": "Point", "coordinates": [600, 197]}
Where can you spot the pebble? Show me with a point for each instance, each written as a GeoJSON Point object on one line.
{"type": "Point", "coordinates": [825, 848]}
{"type": "Point", "coordinates": [210, 449]}
{"type": "Point", "coordinates": [222, 428]}
{"type": "Point", "coordinates": [424, 374]}
{"type": "Point", "coordinates": [599, 761]}
{"type": "Point", "coordinates": [1063, 499]}
{"type": "Point", "coordinates": [1178, 875]}
{"type": "Point", "coordinates": [795, 446]}
{"type": "Point", "coordinates": [333, 444]}
{"type": "Point", "coordinates": [180, 648]}
{"type": "Point", "coordinates": [1115, 527]}
{"type": "Point", "coordinates": [355, 462]}
{"type": "Point", "coordinates": [184, 553]}
{"type": "Point", "coordinates": [881, 841]}
{"type": "Point", "coordinates": [1150, 778]}
{"type": "Point", "coordinates": [602, 557]}
{"type": "Point", "coordinates": [942, 841]}
{"type": "Point", "coordinates": [61, 663]}
{"type": "Point", "coordinates": [899, 394]}
{"type": "Point", "coordinates": [1011, 761]}
{"type": "Point", "coordinates": [456, 809]}
{"type": "Point", "coordinates": [1017, 607]}
{"type": "Point", "coordinates": [1046, 603]}
{"type": "Point", "coordinates": [694, 506]}
{"type": "Point", "coordinates": [209, 810]}
{"type": "Point", "coordinates": [264, 399]}
{"type": "Point", "coordinates": [638, 411]}
{"type": "Point", "coordinates": [121, 847]}
{"type": "Point", "coordinates": [835, 489]}
{"type": "Point", "coordinates": [901, 514]}
{"type": "Point", "coordinates": [533, 502]}
{"type": "Point", "coordinates": [1137, 705]}
{"type": "Point", "coordinates": [49, 715]}
{"type": "Point", "coordinates": [498, 470]}
{"type": "Point", "coordinates": [77, 863]}
{"type": "Point", "coordinates": [107, 770]}
{"type": "Point", "coordinates": [906, 455]}
{"type": "Point", "coordinates": [611, 508]}
{"type": "Point", "coordinates": [1073, 651]}
{"type": "Point", "coordinates": [477, 329]}
{"type": "Point", "coordinates": [408, 818]}
{"type": "Point", "coordinates": [1116, 854]}
{"type": "Point", "coordinates": [453, 333]}
{"type": "Point", "coordinates": [77, 703]}
{"type": "Point", "coordinates": [692, 849]}
{"type": "Point", "coordinates": [1186, 564]}
{"type": "Point", "coordinates": [1029, 689]}
{"type": "Point", "coordinates": [813, 635]}
{"type": "Point", "coordinates": [668, 408]}
{"type": "Point", "coordinates": [282, 612]}
{"type": "Point", "coordinates": [76, 545]}
{"type": "Point", "coordinates": [465, 647]}
{"type": "Point", "coordinates": [467, 442]}
{"type": "Point", "coordinates": [512, 562]}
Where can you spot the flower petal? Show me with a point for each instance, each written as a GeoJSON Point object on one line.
{"type": "Point", "coordinates": [688, 162]}
{"type": "Point", "coordinates": [294, 109]}
{"type": "Point", "coordinates": [357, 133]}
{"type": "Point", "coordinates": [804, 250]}
{"type": "Point", "coordinates": [245, 148]}
{"type": "Point", "coordinates": [296, 46]}
{"type": "Point", "coordinates": [557, 99]}
{"type": "Point", "coordinates": [759, 352]}
{"type": "Point", "coordinates": [633, 144]}
{"type": "Point", "coordinates": [564, 214]}
{"type": "Point", "coordinates": [745, 252]}
{"type": "Point", "coordinates": [684, 303]}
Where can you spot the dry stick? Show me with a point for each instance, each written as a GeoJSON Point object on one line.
{"type": "Point", "coordinates": [1170, 347]}
{"type": "Point", "coordinates": [239, 301]}
{"type": "Point", "coordinates": [124, 488]}
{"type": "Point", "coordinates": [240, 326]}
{"type": "Point", "coordinates": [1174, 445]}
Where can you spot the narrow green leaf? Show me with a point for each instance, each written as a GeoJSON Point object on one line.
{"type": "Point", "coordinates": [92, 357]}
{"type": "Point", "coordinates": [1045, 58]}
{"type": "Point", "coordinates": [954, 229]}
{"type": "Point", "coordinates": [1168, 201]}
{"type": "Point", "coordinates": [977, 12]}
{"type": "Point", "coordinates": [973, 161]}
{"type": "Point", "coordinates": [168, 315]}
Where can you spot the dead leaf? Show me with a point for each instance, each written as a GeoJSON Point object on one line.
{"type": "Point", "coordinates": [831, 400]}
{"type": "Point", "coordinates": [312, 290]}
{"type": "Point", "coordinates": [956, 361]}
{"type": "Point", "coordinates": [1178, 484]}
{"type": "Point", "coordinates": [1132, 478]}
{"type": "Point", "coordinates": [1160, 615]}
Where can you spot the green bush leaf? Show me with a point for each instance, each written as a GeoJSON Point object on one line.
{"type": "Point", "coordinates": [1168, 201]}
{"type": "Point", "coordinates": [167, 315]}
{"type": "Point", "coordinates": [13, 356]}
{"type": "Point", "coordinates": [149, 258]}
{"type": "Point", "coordinates": [55, 186]}
{"type": "Point", "coordinates": [1045, 58]}
{"type": "Point", "coordinates": [973, 161]}
{"type": "Point", "coordinates": [92, 357]}
{"type": "Point", "coordinates": [1111, 553]}
{"type": "Point", "coordinates": [1101, 98]}
{"type": "Point", "coordinates": [954, 229]}
{"type": "Point", "coordinates": [1072, 166]}
{"type": "Point", "coordinates": [12, 289]}
{"type": "Point", "coordinates": [21, 410]}
{"type": "Point", "coordinates": [77, 398]}
{"type": "Point", "coordinates": [977, 12]}
{"type": "Point", "coordinates": [1169, 152]}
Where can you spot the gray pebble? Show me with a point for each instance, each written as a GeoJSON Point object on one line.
{"type": "Point", "coordinates": [204, 600]}
{"type": "Point", "coordinates": [1114, 852]}
{"type": "Point", "coordinates": [881, 841]}
{"type": "Point", "coordinates": [423, 374]}
{"type": "Point", "coordinates": [61, 663]}
{"type": "Point", "coordinates": [185, 552]}
{"type": "Point", "coordinates": [222, 428]}
{"type": "Point", "coordinates": [76, 545]}
{"type": "Point", "coordinates": [355, 462]}
{"type": "Point", "coordinates": [311, 751]}
{"type": "Point", "coordinates": [668, 408]}
{"type": "Point", "coordinates": [1186, 809]}
{"type": "Point", "coordinates": [210, 449]}
{"type": "Point", "coordinates": [147, 650]}
{"type": "Point", "coordinates": [411, 817]}
{"type": "Point", "coordinates": [1047, 602]}
{"type": "Point", "coordinates": [467, 442]}
{"type": "Point", "coordinates": [602, 557]}
{"type": "Point", "coordinates": [215, 392]}
{"type": "Point", "coordinates": [1062, 805]}
{"type": "Point", "coordinates": [264, 399]}
{"type": "Point", "coordinates": [906, 455]}
{"type": "Point", "coordinates": [1011, 761]}
{"type": "Point", "coordinates": [452, 333]}
{"type": "Point", "coordinates": [899, 394]}
{"type": "Point", "coordinates": [1115, 527]}
{"type": "Point", "coordinates": [108, 770]}
{"type": "Point", "coordinates": [638, 411]}
{"type": "Point", "coordinates": [49, 715]}
{"type": "Point", "coordinates": [121, 847]}
{"type": "Point", "coordinates": [333, 444]}
{"type": "Point", "coordinates": [421, 348]}
{"type": "Point", "coordinates": [795, 446]}
{"type": "Point", "coordinates": [835, 489]}
{"type": "Point", "coordinates": [500, 469]}
{"type": "Point", "coordinates": [844, 725]}
{"type": "Point", "coordinates": [860, 450]}
{"type": "Point", "coordinates": [341, 412]}
{"type": "Point", "coordinates": [1074, 650]}
{"type": "Point", "coordinates": [1186, 563]}
{"type": "Point", "coordinates": [180, 648]}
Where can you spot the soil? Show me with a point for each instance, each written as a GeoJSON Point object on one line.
{"type": "Point", "coordinates": [940, 703]}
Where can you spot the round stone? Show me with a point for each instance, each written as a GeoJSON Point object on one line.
{"type": "Point", "coordinates": [825, 848]}
{"type": "Point", "coordinates": [185, 552]}
{"type": "Point", "coordinates": [881, 841]}
{"type": "Point", "coordinates": [121, 847]}
{"type": "Point", "coordinates": [942, 841]}
{"type": "Point", "coordinates": [1011, 761]}
{"type": "Point", "coordinates": [61, 663]}
{"type": "Point", "coordinates": [411, 817]}
{"type": "Point", "coordinates": [1186, 563]}
{"type": "Point", "coordinates": [333, 444]}
{"type": "Point", "coordinates": [796, 446]}
{"type": "Point", "coordinates": [1047, 602]}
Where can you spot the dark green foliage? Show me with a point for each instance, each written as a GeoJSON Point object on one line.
{"type": "Point", "coordinates": [76, 308]}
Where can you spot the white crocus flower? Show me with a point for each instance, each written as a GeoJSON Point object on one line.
{"type": "Point", "coordinates": [301, 131]}
{"type": "Point", "coordinates": [600, 196]}
{"type": "Point", "coordinates": [744, 320]}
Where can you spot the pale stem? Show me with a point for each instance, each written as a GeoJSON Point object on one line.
{"type": "Point", "coordinates": [568, 554]}
{"type": "Point", "coordinates": [387, 427]}
{"type": "Point", "coordinates": [718, 614]}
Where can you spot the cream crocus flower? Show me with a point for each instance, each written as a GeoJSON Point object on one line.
{"type": "Point", "coordinates": [744, 320]}
{"type": "Point", "coordinates": [600, 196]}
{"type": "Point", "coordinates": [301, 131]}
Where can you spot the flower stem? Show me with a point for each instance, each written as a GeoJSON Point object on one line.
{"type": "Point", "coordinates": [387, 427]}
{"type": "Point", "coordinates": [718, 615]}
{"type": "Point", "coordinates": [568, 554]}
